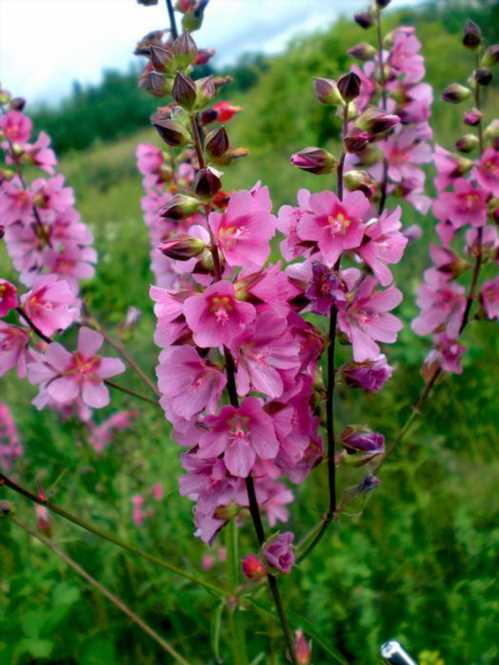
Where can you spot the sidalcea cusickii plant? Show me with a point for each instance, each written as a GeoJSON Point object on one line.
{"type": "Point", "coordinates": [248, 368]}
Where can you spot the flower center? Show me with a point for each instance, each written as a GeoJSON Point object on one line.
{"type": "Point", "coordinates": [221, 307]}
{"type": "Point", "coordinates": [82, 365]}
{"type": "Point", "coordinates": [239, 426]}
{"type": "Point", "coordinates": [339, 222]}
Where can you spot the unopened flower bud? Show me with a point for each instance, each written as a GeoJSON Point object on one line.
{"type": "Point", "coordinates": [326, 91]}
{"type": "Point", "coordinates": [382, 3]}
{"type": "Point", "coordinates": [155, 83]}
{"type": "Point", "coordinates": [362, 51]}
{"type": "Point", "coordinates": [182, 248]}
{"type": "Point", "coordinates": [205, 91]}
{"type": "Point", "coordinates": [207, 183]}
{"type": "Point", "coordinates": [467, 143]}
{"type": "Point", "coordinates": [362, 444]}
{"type": "Point", "coordinates": [314, 160]}
{"type": "Point", "coordinates": [217, 143]}
{"type": "Point", "coordinates": [357, 140]}
{"type": "Point", "coordinates": [377, 122]}
{"type": "Point", "coordinates": [455, 93]}
{"type": "Point", "coordinates": [483, 76]}
{"type": "Point", "coordinates": [203, 56]}
{"type": "Point", "coordinates": [361, 181]}
{"type": "Point", "coordinates": [208, 116]}
{"type": "Point", "coordinates": [173, 133]}
{"type": "Point", "coordinates": [303, 649]}
{"type": "Point", "coordinates": [349, 86]}
{"type": "Point", "coordinates": [368, 483]}
{"type": "Point", "coordinates": [472, 37]}
{"type": "Point", "coordinates": [184, 91]}
{"type": "Point", "coordinates": [163, 59]}
{"type": "Point", "coordinates": [370, 375]}
{"type": "Point", "coordinates": [364, 19]}
{"type": "Point", "coordinates": [2, 231]}
{"type": "Point", "coordinates": [17, 104]}
{"type": "Point", "coordinates": [180, 207]}
{"type": "Point", "coordinates": [491, 56]}
{"type": "Point", "coordinates": [185, 50]}
{"type": "Point", "coordinates": [491, 132]}
{"type": "Point", "coordinates": [253, 568]}
{"type": "Point", "coordinates": [473, 117]}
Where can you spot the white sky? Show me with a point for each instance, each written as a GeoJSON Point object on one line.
{"type": "Point", "coordinates": [45, 45]}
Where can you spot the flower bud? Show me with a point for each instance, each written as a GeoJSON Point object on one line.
{"type": "Point", "coordinates": [205, 91]}
{"type": "Point", "coordinates": [314, 160]}
{"type": "Point", "coordinates": [326, 91]}
{"type": "Point", "coordinates": [473, 117]}
{"type": "Point", "coordinates": [483, 76]}
{"type": "Point", "coordinates": [8, 297]}
{"type": "Point", "coordinates": [455, 93]}
{"type": "Point", "coordinates": [491, 132]}
{"type": "Point", "coordinates": [208, 116]}
{"type": "Point", "coordinates": [185, 50]}
{"type": "Point", "coordinates": [362, 51]}
{"type": "Point", "coordinates": [368, 483]}
{"type": "Point", "coordinates": [217, 143]}
{"type": "Point", "coordinates": [279, 552]}
{"type": "Point", "coordinates": [180, 207]}
{"type": "Point", "coordinates": [17, 104]}
{"type": "Point", "coordinates": [203, 56]}
{"type": "Point", "coordinates": [182, 248]}
{"type": "Point", "coordinates": [357, 140]}
{"type": "Point", "coordinates": [184, 91]}
{"type": "Point", "coordinates": [377, 122]}
{"type": "Point", "coordinates": [162, 59]}
{"type": "Point", "coordinates": [206, 183]}
{"type": "Point", "coordinates": [472, 37]}
{"type": "Point", "coordinates": [303, 649]}
{"type": "Point", "coordinates": [361, 181]}
{"type": "Point", "coordinates": [370, 375]}
{"type": "Point", "coordinates": [2, 231]}
{"type": "Point", "coordinates": [491, 56]}
{"type": "Point", "coordinates": [253, 568]}
{"type": "Point", "coordinates": [155, 83]}
{"type": "Point", "coordinates": [173, 133]}
{"type": "Point", "coordinates": [382, 3]}
{"type": "Point", "coordinates": [362, 444]}
{"type": "Point", "coordinates": [349, 86]}
{"type": "Point", "coordinates": [467, 143]}
{"type": "Point", "coordinates": [364, 19]}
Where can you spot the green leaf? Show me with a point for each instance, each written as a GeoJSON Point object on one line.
{"type": "Point", "coordinates": [215, 631]}
{"type": "Point", "coordinates": [98, 651]}
{"type": "Point", "coordinates": [35, 647]}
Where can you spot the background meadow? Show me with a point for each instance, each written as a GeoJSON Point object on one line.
{"type": "Point", "coordinates": [416, 560]}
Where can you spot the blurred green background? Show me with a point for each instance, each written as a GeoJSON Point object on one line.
{"type": "Point", "coordinates": [416, 561]}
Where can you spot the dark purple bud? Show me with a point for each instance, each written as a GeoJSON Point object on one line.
{"type": "Point", "coordinates": [180, 207]}
{"type": "Point", "coordinates": [2, 231]}
{"type": "Point", "coordinates": [349, 86]}
{"type": "Point", "coordinates": [163, 59]}
{"type": "Point", "coordinates": [183, 248]}
{"type": "Point", "coordinates": [326, 91]}
{"type": "Point", "coordinates": [377, 122]}
{"type": "Point", "coordinates": [370, 375]}
{"type": "Point", "coordinates": [17, 104]}
{"type": "Point", "coordinates": [184, 91]}
{"type": "Point", "coordinates": [217, 143]}
{"type": "Point", "coordinates": [491, 56]}
{"type": "Point", "coordinates": [467, 143]}
{"type": "Point", "coordinates": [185, 50]}
{"type": "Point", "coordinates": [473, 117]}
{"type": "Point", "coordinates": [362, 51]}
{"type": "Point", "coordinates": [208, 116]}
{"type": "Point", "coordinates": [314, 160]}
{"type": "Point", "coordinates": [362, 444]}
{"type": "Point", "coordinates": [153, 38]}
{"type": "Point", "coordinates": [364, 19]}
{"type": "Point", "coordinates": [455, 93]}
{"type": "Point", "coordinates": [279, 552]}
{"type": "Point", "coordinates": [483, 76]}
{"type": "Point", "coordinates": [206, 183]}
{"type": "Point", "coordinates": [383, 3]}
{"type": "Point", "coordinates": [153, 82]}
{"type": "Point", "coordinates": [172, 133]}
{"type": "Point", "coordinates": [357, 140]}
{"type": "Point", "coordinates": [472, 37]}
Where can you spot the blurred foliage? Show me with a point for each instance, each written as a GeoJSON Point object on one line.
{"type": "Point", "coordinates": [416, 560]}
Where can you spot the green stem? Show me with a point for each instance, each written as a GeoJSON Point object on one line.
{"type": "Point", "coordinates": [117, 602]}
{"type": "Point", "coordinates": [132, 393]}
{"type": "Point", "coordinates": [83, 524]}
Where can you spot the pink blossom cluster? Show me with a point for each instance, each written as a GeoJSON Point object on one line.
{"type": "Point", "coordinates": [142, 507]}
{"type": "Point", "coordinates": [10, 445]}
{"type": "Point", "coordinates": [402, 92]}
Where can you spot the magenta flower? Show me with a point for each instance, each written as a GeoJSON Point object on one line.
{"type": "Point", "coordinates": [441, 302]}
{"type": "Point", "coordinates": [10, 445]}
{"type": "Point", "coordinates": [41, 154]}
{"type": "Point", "coordinates": [216, 316]}
{"type": "Point", "coordinates": [489, 297]}
{"type": "Point", "coordinates": [51, 304]}
{"type": "Point", "coordinates": [467, 204]}
{"type": "Point", "coordinates": [325, 290]}
{"type": "Point", "coordinates": [371, 375]}
{"type": "Point", "coordinates": [448, 167]}
{"type": "Point", "coordinates": [279, 552]}
{"type": "Point", "coordinates": [16, 203]}
{"type": "Point", "coordinates": [8, 297]}
{"type": "Point", "coordinates": [487, 172]}
{"type": "Point", "coordinates": [13, 349]}
{"type": "Point", "coordinates": [244, 230]}
{"type": "Point", "coordinates": [447, 353]}
{"type": "Point", "coordinates": [65, 376]}
{"type": "Point", "coordinates": [362, 444]}
{"type": "Point", "coordinates": [385, 244]}
{"type": "Point", "coordinates": [366, 319]}
{"type": "Point", "coordinates": [263, 352]}
{"type": "Point", "coordinates": [187, 383]}
{"type": "Point", "coordinates": [241, 435]}
{"type": "Point", "coordinates": [16, 126]}
{"type": "Point", "coordinates": [404, 150]}
{"type": "Point", "coordinates": [336, 226]}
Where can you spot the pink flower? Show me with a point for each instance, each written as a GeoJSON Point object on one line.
{"type": "Point", "coordinates": [447, 354]}
{"type": "Point", "coordinates": [466, 205]}
{"type": "Point", "coordinates": [149, 159]}
{"type": "Point", "coordinates": [66, 376]}
{"type": "Point", "coordinates": [489, 297]}
{"type": "Point", "coordinates": [279, 552]}
{"type": "Point", "coordinates": [336, 226]}
{"type": "Point", "coordinates": [405, 57]}
{"type": "Point", "coordinates": [157, 492]}
{"type": "Point", "coordinates": [16, 204]}
{"type": "Point", "coordinates": [404, 150]}
{"type": "Point", "coordinates": [366, 319]}
{"type": "Point", "coordinates": [216, 316]}
{"type": "Point", "coordinates": [262, 353]}
{"type": "Point", "coordinates": [51, 304]}
{"type": "Point", "coordinates": [41, 154]}
{"type": "Point", "coordinates": [137, 509]}
{"type": "Point", "coordinates": [10, 445]}
{"type": "Point", "coordinates": [225, 110]}
{"type": "Point", "coordinates": [253, 568]}
{"type": "Point", "coordinates": [241, 435]}
{"type": "Point", "coordinates": [16, 126]}
{"type": "Point", "coordinates": [441, 302]}
{"type": "Point", "coordinates": [8, 297]}
{"type": "Point", "coordinates": [385, 244]}
{"type": "Point", "coordinates": [13, 349]}
{"type": "Point", "coordinates": [244, 230]}
{"type": "Point", "coordinates": [188, 384]}
{"type": "Point", "coordinates": [487, 172]}
{"type": "Point", "coordinates": [448, 167]}
{"type": "Point", "coordinates": [326, 289]}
